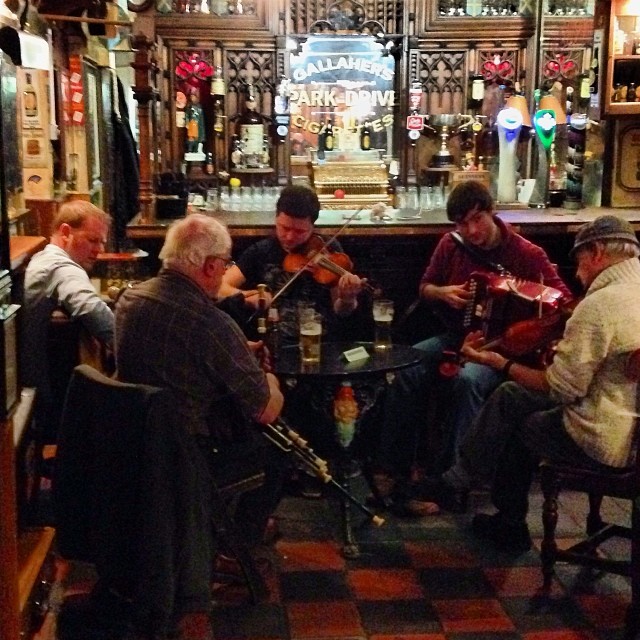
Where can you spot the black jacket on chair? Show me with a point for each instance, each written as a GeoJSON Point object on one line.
{"type": "Point", "coordinates": [132, 496]}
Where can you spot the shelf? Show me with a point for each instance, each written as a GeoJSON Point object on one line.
{"type": "Point", "coordinates": [623, 108]}
{"type": "Point", "coordinates": [626, 56]}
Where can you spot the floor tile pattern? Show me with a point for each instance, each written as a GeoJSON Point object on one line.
{"type": "Point", "coordinates": [421, 579]}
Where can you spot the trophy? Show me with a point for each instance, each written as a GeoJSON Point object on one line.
{"type": "Point", "coordinates": [446, 125]}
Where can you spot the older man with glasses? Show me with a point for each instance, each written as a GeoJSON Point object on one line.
{"type": "Point", "coordinates": [171, 334]}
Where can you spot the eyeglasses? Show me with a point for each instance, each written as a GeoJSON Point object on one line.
{"type": "Point", "coordinates": [228, 262]}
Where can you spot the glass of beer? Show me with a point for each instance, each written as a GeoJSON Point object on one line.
{"type": "Point", "coordinates": [382, 317]}
{"type": "Point", "coordinates": [310, 337]}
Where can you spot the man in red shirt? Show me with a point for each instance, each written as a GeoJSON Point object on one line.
{"type": "Point", "coordinates": [481, 242]}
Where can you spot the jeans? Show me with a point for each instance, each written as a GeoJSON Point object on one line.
{"type": "Point", "coordinates": [459, 399]}
{"type": "Point", "coordinates": [514, 430]}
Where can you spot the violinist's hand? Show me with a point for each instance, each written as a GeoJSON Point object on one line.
{"type": "Point", "coordinates": [455, 295]}
{"type": "Point", "coordinates": [346, 297]}
{"type": "Point", "coordinates": [472, 351]}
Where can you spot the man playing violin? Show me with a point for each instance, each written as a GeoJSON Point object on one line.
{"type": "Point", "coordinates": [581, 410]}
{"type": "Point", "coordinates": [297, 210]}
{"type": "Point", "coordinates": [485, 244]}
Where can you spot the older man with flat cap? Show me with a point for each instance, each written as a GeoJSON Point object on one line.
{"type": "Point", "coordinates": [580, 410]}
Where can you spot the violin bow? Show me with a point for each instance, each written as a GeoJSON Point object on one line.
{"type": "Point", "coordinates": [313, 257]}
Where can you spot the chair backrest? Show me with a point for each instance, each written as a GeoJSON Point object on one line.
{"type": "Point", "coordinates": [131, 493]}
{"type": "Point", "coordinates": [632, 371]}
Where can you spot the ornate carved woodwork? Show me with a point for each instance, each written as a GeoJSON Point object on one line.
{"type": "Point", "coordinates": [438, 43]}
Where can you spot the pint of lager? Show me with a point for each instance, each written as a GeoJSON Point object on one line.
{"type": "Point", "coordinates": [310, 337]}
{"type": "Point", "coordinates": [382, 316]}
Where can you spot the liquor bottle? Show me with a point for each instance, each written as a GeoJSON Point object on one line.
{"type": "Point", "coordinates": [218, 87]}
{"type": "Point", "coordinates": [251, 129]}
{"type": "Point", "coordinates": [30, 99]}
{"type": "Point", "coordinates": [631, 92]}
{"type": "Point", "coordinates": [365, 137]}
{"type": "Point", "coordinates": [328, 136]}
{"type": "Point", "coordinates": [266, 151]}
{"type": "Point", "coordinates": [236, 156]}
{"type": "Point", "coordinates": [209, 168]}
{"type": "Point", "coordinates": [218, 119]}
{"type": "Point", "coordinates": [273, 331]}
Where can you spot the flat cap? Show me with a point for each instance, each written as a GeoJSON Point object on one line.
{"type": "Point", "coordinates": [604, 228]}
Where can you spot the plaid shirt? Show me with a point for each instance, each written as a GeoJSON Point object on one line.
{"type": "Point", "coordinates": [170, 334]}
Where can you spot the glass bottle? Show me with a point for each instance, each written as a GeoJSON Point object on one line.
{"type": "Point", "coordinates": [251, 129]}
{"type": "Point", "coordinates": [328, 136]}
{"type": "Point", "coordinates": [236, 156]}
{"type": "Point", "coordinates": [365, 137]}
{"type": "Point", "coordinates": [631, 92]}
{"type": "Point", "coordinates": [273, 331]}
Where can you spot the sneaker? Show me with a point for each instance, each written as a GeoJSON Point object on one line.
{"type": "Point", "coordinates": [506, 536]}
{"type": "Point", "coordinates": [433, 489]}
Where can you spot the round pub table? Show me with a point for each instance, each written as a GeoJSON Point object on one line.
{"type": "Point", "coordinates": [345, 390]}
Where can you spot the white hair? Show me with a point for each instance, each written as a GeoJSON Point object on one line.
{"type": "Point", "coordinates": [191, 240]}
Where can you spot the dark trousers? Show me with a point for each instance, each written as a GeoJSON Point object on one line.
{"type": "Point", "coordinates": [234, 461]}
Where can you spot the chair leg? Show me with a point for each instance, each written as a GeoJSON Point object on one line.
{"type": "Point", "coordinates": [632, 627]}
{"type": "Point", "coordinates": [549, 548]}
{"type": "Point", "coordinates": [594, 521]}
{"type": "Point", "coordinates": [227, 531]}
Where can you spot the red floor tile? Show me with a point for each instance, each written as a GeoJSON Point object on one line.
{"type": "Point", "coordinates": [324, 620]}
{"type": "Point", "coordinates": [310, 556]}
{"type": "Point", "coordinates": [385, 584]}
{"type": "Point", "coordinates": [604, 611]}
{"type": "Point", "coordinates": [419, 636]}
{"type": "Point", "coordinates": [560, 634]}
{"type": "Point", "coordinates": [519, 581]}
{"type": "Point", "coordinates": [477, 616]}
{"type": "Point", "coordinates": [437, 555]}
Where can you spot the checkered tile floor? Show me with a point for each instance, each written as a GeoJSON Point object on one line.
{"type": "Point", "coordinates": [422, 579]}
{"type": "Point", "coordinates": [419, 579]}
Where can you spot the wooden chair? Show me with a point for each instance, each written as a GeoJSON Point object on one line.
{"type": "Point", "coordinates": [624, 484]}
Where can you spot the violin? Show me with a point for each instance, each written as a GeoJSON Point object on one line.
{"type": "Point", "coordinates": [326, 267]}
{"type": "Point", "coordinates": [520, 339]}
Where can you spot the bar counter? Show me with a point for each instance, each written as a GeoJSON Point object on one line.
{"type": "Point", "coordinates": [394, 254]}
{"type": "Point", "coordinates": [529, 222]}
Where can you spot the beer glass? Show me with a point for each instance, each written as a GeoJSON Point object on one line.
{"type": "Point", "coordinates": [382, 317]}
{"type": "Point", "coordinates": [310, 337]}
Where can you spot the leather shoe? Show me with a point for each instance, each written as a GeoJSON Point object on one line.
{"type": "Point", "coordinates": [434, 489]}
{"type": "Point", "coordinates": [506, 536]}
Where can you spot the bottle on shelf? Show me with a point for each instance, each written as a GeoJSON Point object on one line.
{"type": "Point", "coordinates": [218, 87]}
{"type": "Point", "coordinates": [328, 136]}
{"type": "Point", "coordinates": [218, 119]}
{"type": "Point", "coordinates": [365, 137]}
{"type": "Point", "coordinates": [631, 92]}
{"type": "Point", "coordinates": [251, 130]}
{"type": "Point", "coordinates": [210, 167]}
{"type": "Point", "coordinates": [237, 155]}
{"type": "Point", "coordinates": [266, 151]}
